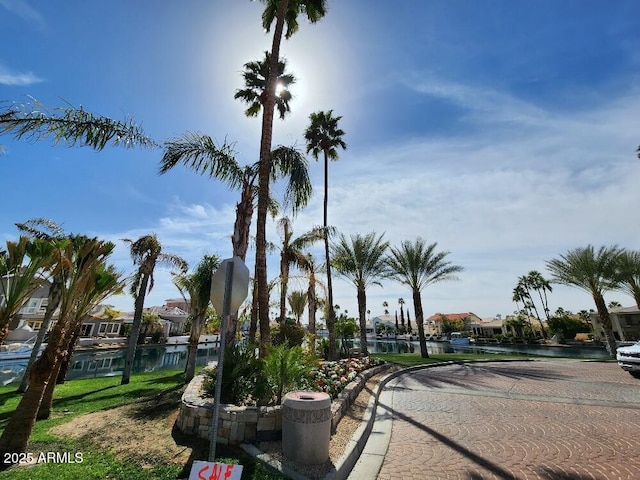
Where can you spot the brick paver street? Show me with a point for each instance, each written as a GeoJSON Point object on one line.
{"type": "Point", "coordinates": [556, 419]}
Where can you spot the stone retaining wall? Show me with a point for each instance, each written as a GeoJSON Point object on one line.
{"type": "Point", "coordinates": [252, 424]}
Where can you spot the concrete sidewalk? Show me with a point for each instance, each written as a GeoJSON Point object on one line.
{"type": "Point", "coordinates": [555, 419]}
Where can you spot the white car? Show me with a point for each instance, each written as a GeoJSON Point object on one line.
{"type": "Point", "coordinates": [629, 359]}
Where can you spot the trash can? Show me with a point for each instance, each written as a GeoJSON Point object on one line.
{"type": "Point", "coordinates": [306, 427]}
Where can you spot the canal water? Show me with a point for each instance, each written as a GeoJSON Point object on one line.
{"type": "Point", "coordinates": [94, 362]}
{"type": "Point", "coordinates": [102, 362]}
{"type": "Point", "coordinates": [404, 346]}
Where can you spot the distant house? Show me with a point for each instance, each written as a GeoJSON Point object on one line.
{"type": "Point", "coordinates": [32, 312]}
{"type": "Point", "coordinates": [625, 323]}
{"type": "Point", "coordinates": [433, 324]}
{"type": "Point", "coordinates": [181, 303]}
{"type": "Point", "coordinates": [387, 320]}
{"type": "Point", "coordinates": [171, 318]}
{"type": "Point", "coordinates": [105, 322]}
{"type": "Point", "coordinates": [488, 327]}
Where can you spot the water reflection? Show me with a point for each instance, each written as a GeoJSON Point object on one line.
{"type": "Point", "coordinates": [88, 363]}
{"type": "Point", "coordinates": [405, 346]}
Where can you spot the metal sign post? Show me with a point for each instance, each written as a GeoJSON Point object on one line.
{"type": "Point", "coordinates": [236, 287]}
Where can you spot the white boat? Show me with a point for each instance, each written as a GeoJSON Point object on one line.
{"type": "Point", "coordinates": [17, 350]}
{"type": "Point", "coordinates": [456, 338]}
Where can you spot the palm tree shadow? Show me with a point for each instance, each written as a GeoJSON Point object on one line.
{"type": "Point", "coordinates": [494, 468]}
{"type": "Point", "coordinates": [557, 474]}
{"type": "Point", "coordinates": [82, 395]}
{"type": "Point", "coordinates": [472, 376]}
{"type": "Point", "coordinates": [199, 448]}
{"type": "Point", "coordinates": [158, 405]}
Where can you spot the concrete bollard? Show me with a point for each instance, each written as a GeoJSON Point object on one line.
{"type": "Point", "coordinates": [306, 427]}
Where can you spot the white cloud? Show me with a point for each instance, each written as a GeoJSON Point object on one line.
{"type": "Point", "coordinates": [22, 9]}
{"type": "Point", "coordinates": [21, 79]}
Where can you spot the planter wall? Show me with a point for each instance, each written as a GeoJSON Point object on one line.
{"type": "Point", "coordinates": [238, 425]}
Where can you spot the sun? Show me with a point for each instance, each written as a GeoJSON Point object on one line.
{"type": "Point", "coordinates": [279, 88]}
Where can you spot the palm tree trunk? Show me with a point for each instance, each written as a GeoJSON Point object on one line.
{"type": "Point", "coordinates": [362, 317]}
{"type": "Point", "coordinates": [66, 361]}
{"type": "Point", "coordinates": [605, 321]}
{"type": "Point", "coordinates": [135, 331]}
{"type": "Point", "coordinates": [55, 294]}
{"type": "Point", "coordinates": [263, 181]}
{"type": "Point", "coordinates": [16, 434]}
{"type": "Point", "coordinates": [284, 276]}
{"type": "Point", "coordinates": [312, 304]}
{"type": "Point", "coordinates": [4, 329]}
{"type": "Point", "coordinates": [535, 309]}
{"type": "Point", "coordinates": [15, 437]}
{"type": "Point", "coordinates": [60, 370]}
{"type": "Point", "coordinates": [194, 338]}
{"type": "Point", "coordinates": [46, 403]}
{"type": "Point", "coordinates": [331, 321]}
{"type": "Point", "coordinates": [253, 321]}
{"type": "Point", "coordinates": [417, 303]}
{"type": "Point", "coordinates": [242, 225]}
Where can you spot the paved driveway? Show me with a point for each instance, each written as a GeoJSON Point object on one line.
{"type": "Point", "coordinates": [556, 419]}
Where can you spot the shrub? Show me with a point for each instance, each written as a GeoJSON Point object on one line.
{"type": "Point", "coordinates": [288, 333]}
{"type": "Point", "coordinates": [243, 378]}
{"type": "Point", "coordinates": [286, 369]}
{"type": "Point", "coordinates": [322, 348]}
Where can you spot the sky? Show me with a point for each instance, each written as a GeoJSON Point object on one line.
{"type": "Point", "coordinates": [504, 130]}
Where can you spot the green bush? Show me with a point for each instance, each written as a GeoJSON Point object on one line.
{"type": "Point", "coordinates": [288, 333]}
{"type": "Point", "coordinates": [322, 348]}
{"type": "Point", "coordinates": [243, 379]}
{"type": "Point", "coordinates": [286, 369]}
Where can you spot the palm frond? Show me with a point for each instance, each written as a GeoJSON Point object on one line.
{"type": "Point", "coordinates": [71, 125]}
{"type": "Point", "coordinates": [42, 228]}
{"type": "Point", "coordinates": [200, 153]}
{"type": "Point", "coordinates": [290, 163]}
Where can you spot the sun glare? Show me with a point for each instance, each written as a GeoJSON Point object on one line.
{"type": "Point", "coordinates": [279, 88]}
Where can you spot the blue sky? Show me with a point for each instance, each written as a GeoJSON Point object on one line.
{"type": "Point", "coordinates": [504, 130]}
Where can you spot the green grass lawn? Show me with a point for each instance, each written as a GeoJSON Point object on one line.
{"type": "Point", "coordinates": [414, 359]}
{"type": "Point", "coordinates": [78, 397]}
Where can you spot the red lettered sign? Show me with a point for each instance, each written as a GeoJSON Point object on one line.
{"type": "Point", "coordinates": [214, 471]}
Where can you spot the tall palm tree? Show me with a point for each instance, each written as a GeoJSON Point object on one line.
{"type": "Point", "coordinates": [44, 229]}
{"type": "Point", "coordinates": [298, 302]}
{"type": "Point", "coordinates": [22, 267]}
{"type": "Point", "coordinates": [198, 286]}
{"type": "Point", "coordinates": [592, 271]}
{"type": "Point", "coordinates": [146, 252]}
{"type": "Point", "coordinates": [401, 303]}
{"type": "Point", "coordinates": [84, 271]}
{"type": "Point", "coordinates": [539, 284]}
{"type": "Point", "coordinates": [418, 265]}
{"type": "Point", "coordinates": [200, 153]}
{"type": "Point", "coordinates": [255, 77]}
{"type": "Point", "coordinates": [310, 267]}
{"type": "Point", "coordinates": [278, 12]}
{"type": "Point", "coordinates": [323, 136]}
{"type": "Point", "coordinates": [361, 260]}
{"type": "Point", "coordinates": [291, 253]}
{"type": "Point", "coordinates": [520, 295]}
{"type": "Point", "coordinates": [628, 273]}
{"type": "Point", "coordinates": [106, 281]}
